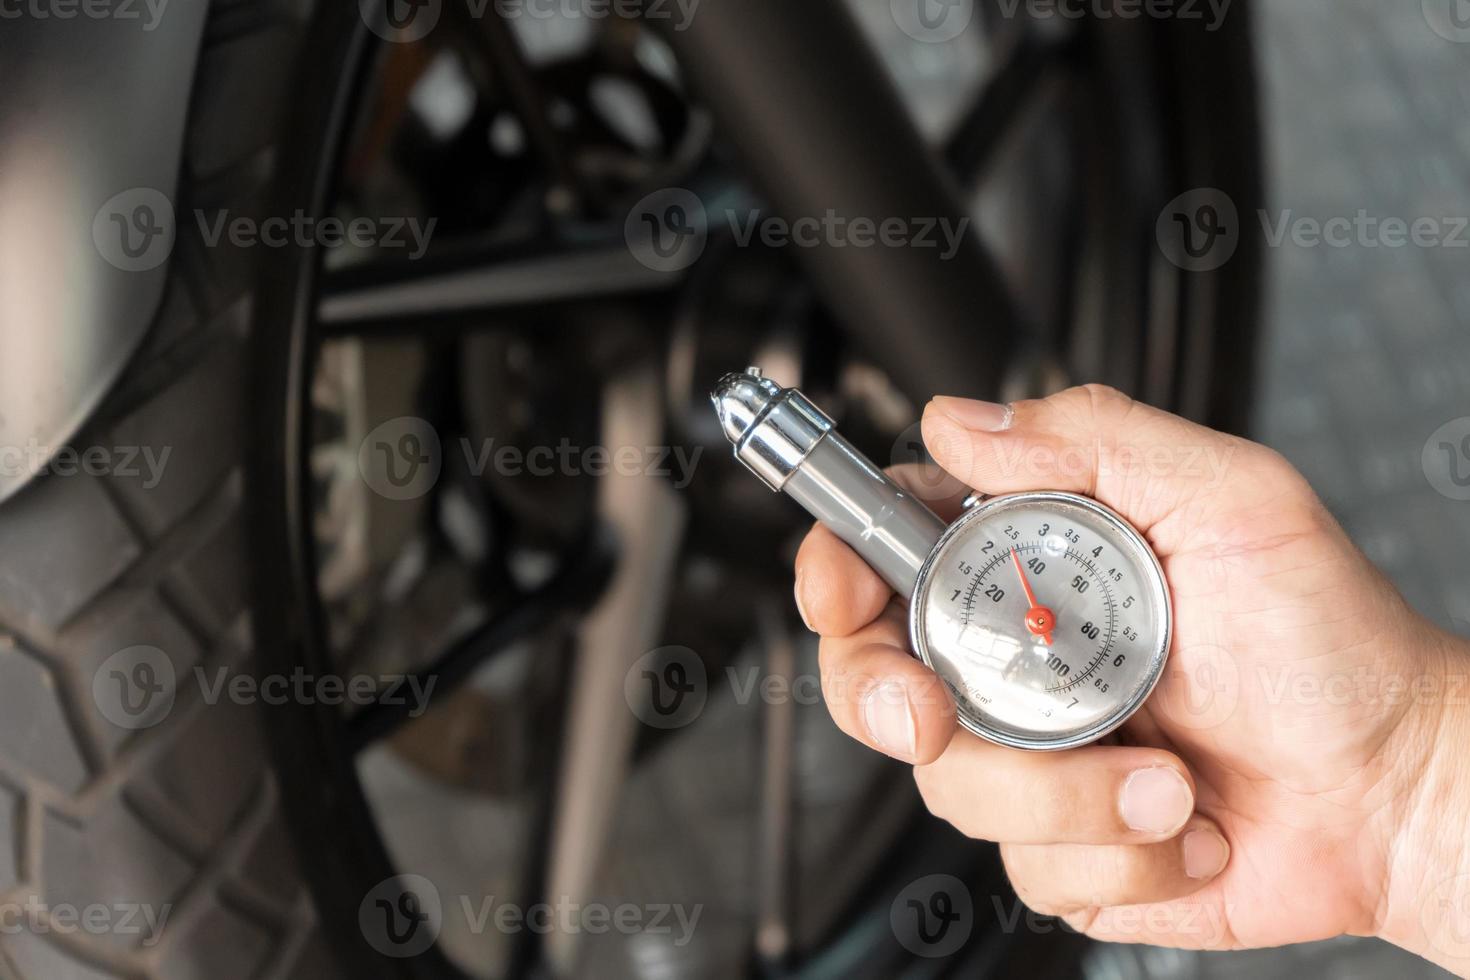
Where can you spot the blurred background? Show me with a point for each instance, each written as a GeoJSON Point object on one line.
{"type": "Point", "coordinates": [1362, 355]}
{"type": "Point", "coordinates": [488, 462]}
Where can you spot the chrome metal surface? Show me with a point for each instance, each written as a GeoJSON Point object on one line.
{"type": "Point", "coordinates": [892, 530]}
{"type": "Point", "coordinates": [789, 443]}
{"type": "Point", "coordinates": [773, 429]}
{"type": "Point", "coordinates": [1151, 576]}
{"type": "Point", "coordinates": [974, 500]}
{"type": "Point", "coordinates": [1043, 690]}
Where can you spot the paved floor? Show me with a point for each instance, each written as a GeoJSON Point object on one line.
{"type": "Point", "coordinates": [1367, 352]}
{"type": "Point", "coordinates": [1368, 348]}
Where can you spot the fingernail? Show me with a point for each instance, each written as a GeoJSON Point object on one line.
{"type": "Point", "coordinates": [1156, 801]}
{"type": "Point", "coordinates": [977, 415]}
{"type": "Point", "coordinates": [1205, 853]}
{"type": "Point", "coordinates": [800, 608]}
{"type": "Point", "coordinates": [890, 720]}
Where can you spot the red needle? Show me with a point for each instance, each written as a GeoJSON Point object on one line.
{"type": "Point", "coordinates": [1039, 619]}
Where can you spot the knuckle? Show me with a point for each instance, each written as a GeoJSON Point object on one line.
{"type": "Point", "coordinates": [822, 618]}
{"type": "Point", "coordinates": [1062, 800]}
{"type": "Point", "coordinates": [838, 706]}
{"type": "Point", "coordinates": [825, 612]}
{"type": "Point", "coordinates": [846, 680]}
{"type": "Point", "coordinates": [1081, 920]}
{"type": "Point", "coordinates": [931, 791]}
{"type": "Point", "coordinates": [1105, 401]}
{"type": "Point", "coordinates": [837, 682]}
{"type": "Point", "coordinates": [1033, 889]}
{"type": "Point", "coordinates": [1084, 408]}
{"type": "Point", "coordinates": [1047, 907]}
{"type": "Point", "coordinates": [845, 721]}
{"type": "Point", "coordinates": [1130, 877]}
{"type": "Point", "coordinates": [1271, 466]}
{"type": "Point", "coordinates": [1098, 875]}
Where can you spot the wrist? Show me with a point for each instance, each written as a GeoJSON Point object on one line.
{"type": "Point", "coordinates": [1426, 898]}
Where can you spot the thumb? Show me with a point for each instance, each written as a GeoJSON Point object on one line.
{"type": "Point", "coordinates": [1144, 463]}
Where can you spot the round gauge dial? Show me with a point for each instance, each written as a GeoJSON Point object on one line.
{"type": "Point", "coordinates": [1048, 617]}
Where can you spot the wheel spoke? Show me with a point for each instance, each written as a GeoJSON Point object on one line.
{"type": "Point", "coordinates": [776, 925]}
{"type": "Point", "coordinates": [578, 583]}
{"type": "Point", "coordinates": [1026, 59]}
{"type": "Point", "coordinates": [405, 295]}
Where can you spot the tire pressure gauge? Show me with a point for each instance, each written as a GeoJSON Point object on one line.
{"type": "Point", "coordinates": [1045, 613]}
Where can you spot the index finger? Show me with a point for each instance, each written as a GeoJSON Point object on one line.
{"type": "Point", "coordinates": [1143, 462]}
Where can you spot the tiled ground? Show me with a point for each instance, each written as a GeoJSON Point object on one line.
{"type": "Point", "coordinates": [1367, 349]}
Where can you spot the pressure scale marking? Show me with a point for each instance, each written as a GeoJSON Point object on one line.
{"type": "Point", "coordinates": [1108, 619]}
{"type": "Point", "coordinates": [1045, 613]}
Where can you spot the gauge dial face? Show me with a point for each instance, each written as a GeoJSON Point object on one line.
{"type": "Point", "coordinates": [1048, 617]}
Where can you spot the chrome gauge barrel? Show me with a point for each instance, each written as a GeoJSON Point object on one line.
{"type": "Point", "coordinates": [787, 441]}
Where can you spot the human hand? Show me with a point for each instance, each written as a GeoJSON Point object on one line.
{"type": "Point", "coordinates": [1294, 775]}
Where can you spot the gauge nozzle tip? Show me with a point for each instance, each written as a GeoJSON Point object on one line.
{"type": "Point", "coordinates": [772, 428]}
{"type": "Point", "coordinates": [740, 399]}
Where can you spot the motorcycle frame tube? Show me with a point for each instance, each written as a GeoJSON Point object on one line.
{"type": "Point", "coordinates": [820, 126]}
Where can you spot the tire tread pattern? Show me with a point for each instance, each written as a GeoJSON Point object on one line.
{"type": "Point", "coordinates": [185, 814]}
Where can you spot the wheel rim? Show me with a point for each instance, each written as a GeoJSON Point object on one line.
{"type": "Point", "coordinates": [457, 292]}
